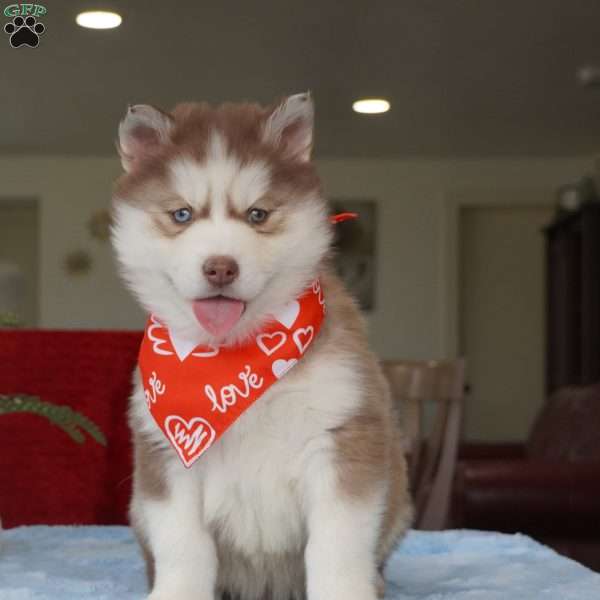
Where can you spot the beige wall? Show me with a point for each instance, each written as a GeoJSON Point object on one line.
{"type": "Point", "coordinates": [414, 303]}
{"type": "Point", "coordinates": [417, 313]}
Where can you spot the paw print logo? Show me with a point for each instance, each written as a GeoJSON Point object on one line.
{"type": "Point", "coordinates": [24, 32]}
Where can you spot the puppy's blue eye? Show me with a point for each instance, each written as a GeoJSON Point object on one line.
{"type": "Point", "coordinates": [256, 216]}
{"type": "Point", "coordinates": [182, 215]}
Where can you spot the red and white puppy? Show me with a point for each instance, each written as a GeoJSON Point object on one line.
{"type": "Point", "coordinates": [306, 494]}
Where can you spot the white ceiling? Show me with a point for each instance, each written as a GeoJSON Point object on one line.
{"type": "Point", "coordinates": [465, 77]}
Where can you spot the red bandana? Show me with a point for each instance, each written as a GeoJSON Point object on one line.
{"type": "Point", "coordinates": [196, 393]}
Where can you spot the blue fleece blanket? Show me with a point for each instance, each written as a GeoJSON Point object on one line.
{"type": "Point", "coordinates": [103, 563]}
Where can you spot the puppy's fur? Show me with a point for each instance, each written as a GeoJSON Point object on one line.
{"type": "Point", "coordinates": [306, 494]}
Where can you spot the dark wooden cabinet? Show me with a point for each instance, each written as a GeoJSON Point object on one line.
{"type": "Point", "coordinates": [573, 298]}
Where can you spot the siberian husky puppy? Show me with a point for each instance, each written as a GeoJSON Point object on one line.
{"type": "Point", "coordinates": [219, 219]}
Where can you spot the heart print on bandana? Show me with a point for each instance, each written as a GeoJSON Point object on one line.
{"type": "Point", "coordinates": [190, 438]}
{"type": "Point", "coordinates": [288, 314]}
{"type": "Point", "coordinates": [281, 366]}
{"type": "Point", "coordinates": [271, 342]}
{"type": "Point", "coordinates": [303, 338]}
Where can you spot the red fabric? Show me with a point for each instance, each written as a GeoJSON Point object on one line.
{"type": "Point", "coordinates": [341, 217]}
{"type": "Point", "coordinates": [45, 476]}
{"type": "Point", "coordinates": [195, 393]}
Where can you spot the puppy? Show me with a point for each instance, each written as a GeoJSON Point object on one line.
{"type": "Point", "coordinates": [219, 220]}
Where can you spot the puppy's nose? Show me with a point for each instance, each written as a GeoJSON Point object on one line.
{"type": "Point", "coordinates": [220, 270]}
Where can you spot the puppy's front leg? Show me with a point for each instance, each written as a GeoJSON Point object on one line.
{"type": "Point", "coordinates": [342, 537]}
{"type": "Point", "coordinates": [185, 559]}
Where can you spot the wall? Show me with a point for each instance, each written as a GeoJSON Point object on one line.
{"type": "Point", "coordinates": [414, 302]}
{"type": "Point", "coordinates": [69, 190]}
{"type": "Point", "coordinates": [417, 312]}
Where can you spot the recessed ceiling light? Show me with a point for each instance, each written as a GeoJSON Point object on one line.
{"type": "Point", "coordinates": [371, 106]}
{"type": "Point", "coordinates": [588, 76]}
{"type": "Point", "coordinates": [98, 19]}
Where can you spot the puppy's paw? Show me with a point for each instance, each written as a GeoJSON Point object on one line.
{"type": "Point", "coordinates": [380, 585]}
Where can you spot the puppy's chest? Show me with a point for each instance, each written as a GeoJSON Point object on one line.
{"type": "Point", "coordinates": [253, 478]}
{"type": "Point", "coordinates": [252, 481]}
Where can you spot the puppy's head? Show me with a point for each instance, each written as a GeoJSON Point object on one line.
{"type": "Point", "coordinates": [219, 218]}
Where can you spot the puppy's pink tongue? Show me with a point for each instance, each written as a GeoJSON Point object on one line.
{"type": "Point", "coordinates": [218, 315]}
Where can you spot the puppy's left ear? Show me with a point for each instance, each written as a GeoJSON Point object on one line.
{"type": "Point", "coordinates": [141, 133]}
{"type": "Point", "coordinates": [290, 127]}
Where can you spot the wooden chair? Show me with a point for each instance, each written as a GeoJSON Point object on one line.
{"type": "Point", "coordinates": [430, 397]}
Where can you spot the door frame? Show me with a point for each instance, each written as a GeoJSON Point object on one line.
{"type": "Point", "coordinates": [454, 200]}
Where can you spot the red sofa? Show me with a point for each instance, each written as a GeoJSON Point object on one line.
{"type": "Point", "coordinates": [67, 458]}
{"type": "Point", "coordinates": [548, 488]}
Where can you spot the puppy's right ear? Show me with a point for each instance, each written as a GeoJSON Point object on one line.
{"type": "Point", "coordinates": [141, 133]}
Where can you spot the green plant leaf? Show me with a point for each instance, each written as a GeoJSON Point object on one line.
{"type": "Point", "coordinates": [73, 423]}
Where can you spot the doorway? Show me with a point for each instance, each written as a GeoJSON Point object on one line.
{"type": "Point", "coordinates": [502, 318]}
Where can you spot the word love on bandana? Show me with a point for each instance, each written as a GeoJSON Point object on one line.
{"type": "Point", "coordinates": [195, 393]}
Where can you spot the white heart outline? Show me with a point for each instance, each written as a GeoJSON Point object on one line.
{"type": "Point", "coordinates": [262, 345]}
{"type": "Point", "coordinates": [310, 331]}
{"type": "Point", "coordinates": [213, 351]}
{"type": "Point", "coordinates": [281, 366]}
{"type": "Point", "coordinates": [287, 315]}
{"type": "Point", "coordinates": [188, 425]}
{"type": "Point", "coordinates": [157, 342]}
